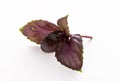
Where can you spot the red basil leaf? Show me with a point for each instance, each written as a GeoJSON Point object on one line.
{"type": "Point", "coordinates": [37, 30]}
{"type": "Point", "coordinates": [50, 42]}
{"type": "Point", "coordinates": [69, 53]}
{"type": "Point", "coordinates": [63, 25]}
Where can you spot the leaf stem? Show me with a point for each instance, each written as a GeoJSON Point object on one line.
{"type": "Point", "coordinates": [90, 37]}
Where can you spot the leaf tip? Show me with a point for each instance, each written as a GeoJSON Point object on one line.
{"type": "Point", "coordinates": [21, 29]}
{"type": "Point", "coordinates": [80, 70]}
{"type": "Point", "coordinates": [67, 15]}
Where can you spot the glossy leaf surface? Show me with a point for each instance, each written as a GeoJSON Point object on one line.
{"type": "Point", "coordinates": [37, 30]}
{"type": "Point", "coordinates": [63, 25]}
{"type": "Point", "coordinates": [69, 52]}
{"type": "Point", "coordinates": [50, 42]}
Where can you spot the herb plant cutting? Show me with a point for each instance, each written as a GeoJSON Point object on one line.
{"type": "Point", "coordinates": [68, 47]}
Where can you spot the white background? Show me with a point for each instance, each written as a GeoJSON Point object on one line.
{"type": "Point", "coordinates": [23, 60]}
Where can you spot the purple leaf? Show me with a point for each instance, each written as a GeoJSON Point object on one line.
{"type": "Point", "coordinates": [50, 42]}
{"type": "Point", "coordinates": [69, 52]}
{"type": "Point", "coordinates": [63, 25]}
{"type": "Point", "coordinates": [37, 30]}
